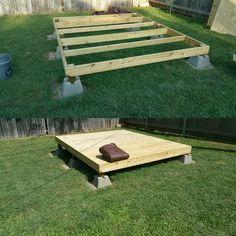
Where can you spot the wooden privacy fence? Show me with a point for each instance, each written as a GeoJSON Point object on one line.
{"type": "Point", "coordinates": [18, 128]}
{"type": "Point", "coordinates": [222, 128]}
{"type": "Point", "coordinates": [187, 7]}
{"type": "Point", "coordinates": [40, 6]}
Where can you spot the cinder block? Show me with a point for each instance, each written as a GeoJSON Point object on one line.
{"type": "Point", "coordinates": [157, 36]}
{"type": "Point", "coordinates": [186, 159]}
{"type": "Point", "coordinates": [200, 62]}
{"type": "Point", "coordinates": [101, 181]}
{"type": "Point", "coordinates": [52, 36]}
{"type": "Point", "coordinates": [134, 29]}
{"type": "Point", "coordinates": [72, 89]}
{"type": "Point", "coordinates": [58, 52]}
{"type": "Point", "coordinates": [74, 163]}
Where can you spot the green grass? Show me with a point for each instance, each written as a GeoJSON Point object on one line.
{"type": "Point", "coordinates": [39, 197]}
{"type": "Point", "coordinates": [168, 89]}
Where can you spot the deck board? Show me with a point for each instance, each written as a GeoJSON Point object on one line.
{"type": "Point", "coordinates": [141, 148]}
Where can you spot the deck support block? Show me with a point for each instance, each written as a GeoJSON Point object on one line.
{"type": "Point", "coordinates": [133, 29]}
{"type": "Point", "coordinates": [101, 181]}
{"type": "Point", "coordinates": [58, 55]}
{"type": "Point", "coordinates": [72, 87]}
{"type": "Point", "coordinates": [74, 163]}
{"type": "Point", "coordinates": [186, 159]}
{"type": "Point", "coordinates": [157, 36]}
{"type": "Point", "coordinates": [52, 36]}
{"type": "Point", "coordinates": [200, 62]}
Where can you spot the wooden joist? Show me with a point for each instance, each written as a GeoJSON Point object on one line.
{"type": "Point", "coordinates": [97, 21]}
{"type": "Point", "coordinates": [82, 24]}
{"type": "Point", "coordinates": [119, 46]}
{"type": "Point", "coordinates": [105, 27]}
{"type": "Point", "coordinates": [112, 37]}
{"type": "Point", "coordinates": [135, 61]}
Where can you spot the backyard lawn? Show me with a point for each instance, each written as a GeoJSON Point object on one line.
{"type": "Point", "coordinates": [40, 197]}
{"type": "Point", "coordinates": [167, 89]}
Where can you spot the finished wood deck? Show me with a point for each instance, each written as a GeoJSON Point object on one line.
{"type": "Point", "coordinates": [141, 148]}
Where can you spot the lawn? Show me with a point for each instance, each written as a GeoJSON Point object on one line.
{"type": "Point", "coordinates": [39, 197]}
{"type": "Point", "coordinates": [167, 89]}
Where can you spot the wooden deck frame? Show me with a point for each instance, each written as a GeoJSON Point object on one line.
{"type": "Point", "coordinates": [141, 148]}
{"type": "Point", "coordinates": [68, 26]}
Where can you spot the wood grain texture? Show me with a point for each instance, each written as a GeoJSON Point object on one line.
{"type": "Point", "coordinates": [141, 148]}
{"type": "Point", "coordinates": [225, 19]}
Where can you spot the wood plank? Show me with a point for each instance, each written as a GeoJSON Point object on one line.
{"type": "Point", "coordinates": [214, 9]}
{"type": "Point", "coordinates": [60, 46]}
{"type": "Point", "coordinates": [141, 148]}
{"type": "Point", "coordinates": [112, 37]}
{"type": "Point", "coordinates": [104, 28]}
{"type": "Point", "coordinates": [107, 16]}
{"type": "Point", "coordinates": [76, 153]}
{"type": "Point", "coordinates": [97, 21]}
{"type": "Point", "coordinates": [112, 47]}
{"type": "Point", "coordinates": [225, 19]}
{"type": "Point", "coordinates": [135, 61]}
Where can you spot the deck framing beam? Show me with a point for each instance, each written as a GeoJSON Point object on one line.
{"type": "Point", "coordinates": [82, 24]}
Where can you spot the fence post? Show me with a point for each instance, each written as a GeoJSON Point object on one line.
{"type": "Point", "coordinates": [184, 126]}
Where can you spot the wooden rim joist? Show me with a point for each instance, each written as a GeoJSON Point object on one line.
{"type": "Point", "coordinates": [66, 27]}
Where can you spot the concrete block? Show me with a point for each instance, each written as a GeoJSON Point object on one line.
{"type": "Point", "coordinates": [186, 159]}
{"type": "Point", "coordinates": [52, 36]}
{"type": "Point", "coordinates": [200, 62]}
{"type": "Point", "coordinates": [134, 29]}
{"type": "Point", "coordinates": [72, 89]}
{"type": "Point", "coordinates": [74, 163]}
{"type": "Point", "coordinates": [157, 37]}
{"type": "Point", "coordinates": [101, 181]}
{"type": "Point", "coordinates": [58, 53]}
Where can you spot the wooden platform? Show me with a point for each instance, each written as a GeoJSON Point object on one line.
{"type": "Point", "coordinates": [141, 148]}
{"type": "Point", "coordinates": [68, 28]}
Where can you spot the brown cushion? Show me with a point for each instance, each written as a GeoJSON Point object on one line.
{"type": "Point", "coordinates": [113, 153]}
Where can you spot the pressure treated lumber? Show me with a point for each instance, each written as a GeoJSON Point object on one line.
{"type": "Point", "coordinates": [225, 19]}
{"type": "Point", "coordinates": [112, 37]}
{"type": "Point", "coordinates": [135, 61]}
{"type": "Point", "coordinates": [119, 46]}
{"type": "Point", "coordinates": [105, 27]}
{"type": "Point", "coordinates": [141, 148]}
{"type": "Point", "coordinates": [97, 21]}
{"type": "Point", "coordinates": [68, 28]}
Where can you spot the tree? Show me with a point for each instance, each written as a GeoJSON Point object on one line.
{"type": "Point", "coordinates": [170, 2]}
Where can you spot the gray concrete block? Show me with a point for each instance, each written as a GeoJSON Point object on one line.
{"type": "Point", "coordinates": [58, 53]}
{"type": "Point", "coordinates": [72, 89]}
{"type": "Point", "coordinates": [133, 29]}
{"type": "Point", "coordinates": [52, 36]}
{"type": "Point", "coordinates": [157, 37]}
{"type": "Point", "coordinates": [200, 62]}
{"type": "Point", "coordinates": [186, 159]}
{"type": "Point", "coordinates": [101, 181]}
{"type": "Point", "coordinates": [74, 163]}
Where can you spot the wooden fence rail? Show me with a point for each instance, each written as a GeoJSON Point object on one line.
{"type": "Point", "coordinates": [19, 128]}
{"type": "Point", "coordinates": [40, 6]}
{"type": "Point", "coordinates": [222, 128]}
{"type": "Point", "coordinates": [187, 7]}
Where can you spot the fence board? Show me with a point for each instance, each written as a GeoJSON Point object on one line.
{"type": "Point", "coordinates": [188, 7]}
{"type": "Point", "coordinates": [18, 128]}
{"type": "Point", "coordinates": [204, 127]}
{"type": "Point", "coordinates": [39, 6]}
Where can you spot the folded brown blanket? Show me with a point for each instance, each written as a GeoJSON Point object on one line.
{"type": "Point", "coordinates": [113, 153]}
